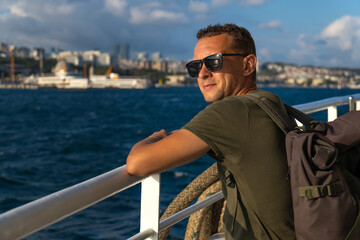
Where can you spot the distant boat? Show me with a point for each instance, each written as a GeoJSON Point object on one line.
{"type": "Point", "coordinates": [61, 79]}
{"type": "Point", "coordinates": [113, 80]}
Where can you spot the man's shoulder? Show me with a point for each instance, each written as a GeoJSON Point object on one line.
{"type": "Point", "coordinates": [242, 99]}
{"type": "Point", "coordinates": [236, 105]}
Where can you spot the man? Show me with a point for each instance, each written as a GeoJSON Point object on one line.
{"type": "Point", "coordinates": [245, 142]}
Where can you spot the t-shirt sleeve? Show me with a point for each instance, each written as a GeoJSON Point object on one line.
{"type": "Point", "coordinates": [223, 125]}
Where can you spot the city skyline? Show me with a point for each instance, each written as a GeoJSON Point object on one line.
{"type": "Point", "coordinates": [319, 33]}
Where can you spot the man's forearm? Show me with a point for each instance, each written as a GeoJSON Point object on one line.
{"type": "Point", "coordinates": [163, 150]}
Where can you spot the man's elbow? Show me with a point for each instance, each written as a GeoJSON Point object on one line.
{"type": "Point", "coordinates": [134, 168]}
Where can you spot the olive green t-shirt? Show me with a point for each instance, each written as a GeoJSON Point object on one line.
{"type": "Point", "coordinates": [249, 149]}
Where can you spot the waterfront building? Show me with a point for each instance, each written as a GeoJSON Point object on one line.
{"type": "Point", "coordinates": [103, 59]}
{"type": "Point", "coordinates": [22, 52]}
{"type": "Point", "coordinates": [4, 47]}
{"type": "Point", "coordinates": [145, 65]}
{"type": "Point", "coordinates": [71, 57]}
{"type": "Point", "coordinates": [161, 66]}
{"type": "Point", "coordinates": [90, 57]}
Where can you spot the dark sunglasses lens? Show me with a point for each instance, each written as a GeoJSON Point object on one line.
{"type": "Point", "coordinates": [213, 63]}
{"type": "Point", "coordinates": [194, 67]}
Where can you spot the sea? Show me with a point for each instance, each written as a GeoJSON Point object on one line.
{"type": "Point", "coordinates": [52, 139]}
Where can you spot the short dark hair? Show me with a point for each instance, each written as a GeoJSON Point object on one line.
{"type": "Point", "coordinates": [243, 40]}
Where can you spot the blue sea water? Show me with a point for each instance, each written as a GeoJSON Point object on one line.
{"type": "Point", "coordinates": [51, 139]}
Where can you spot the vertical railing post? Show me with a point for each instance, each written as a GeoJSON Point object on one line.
{"type": "Point", "coordinates": [332, 113]}
{"type": "Point", "coordinates": [150, 205]}
{"type": "Point", "coordinates": [357, 103]}
{"type": "Point", "coordinates": [351, 104]}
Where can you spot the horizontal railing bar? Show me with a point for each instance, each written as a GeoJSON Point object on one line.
{"type": "Point", "coordinates": [24, 220]}
{"type": "Point", "coordinates": [177, 217]}
{"type": "Point", "coordinates": [142, 235]}
{"type": "Point", "coordinates": [320, 105]}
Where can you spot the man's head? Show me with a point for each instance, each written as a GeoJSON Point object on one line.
{"type": "Point", "coordinates": [233, 72]}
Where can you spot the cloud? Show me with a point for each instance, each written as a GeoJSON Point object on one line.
{"type": "Point", "coordinates": [271, 25]}
{"type": "Point", "coordinates": [116, 7]}
{"type": "Point", "coordinates": [18, 11]}
{"type": "Point", "coordinates": [199, 7]}
{"type": "Point", "coordinates": [252, 2]}
{"type": "Point", "coordinates": [337, 44]}
{"type": "Point", "coordinates": [37, 9]}
{"type": "Point", "coordinates": [148, 15]}
{"type": "Point", "coordinates": [343, 33]}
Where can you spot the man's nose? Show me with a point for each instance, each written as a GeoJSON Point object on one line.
{"type": "Point", "coordinates": [204, 72]}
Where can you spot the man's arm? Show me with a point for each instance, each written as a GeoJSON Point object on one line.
{"type": "Point", "coordinates": [162, 151]}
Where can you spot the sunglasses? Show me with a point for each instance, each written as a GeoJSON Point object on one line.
{"type": "Point", "coordinates": [212, 63]}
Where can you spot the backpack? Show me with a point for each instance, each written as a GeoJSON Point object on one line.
{"type": "Point", "coordinates": [324, 171]}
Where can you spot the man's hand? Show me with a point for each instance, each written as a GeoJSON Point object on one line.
{"type": "Point", "coordinates": [156, 136]}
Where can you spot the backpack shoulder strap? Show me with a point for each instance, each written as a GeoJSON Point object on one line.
{"type": "Point", "coordinates": [283, 115]}
{"type": "Point", "coordinates": [299, 115]}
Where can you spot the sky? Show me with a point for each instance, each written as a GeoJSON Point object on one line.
{"type": "Point", "coordinates": [302, 32]}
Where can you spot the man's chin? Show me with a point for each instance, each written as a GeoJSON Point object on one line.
{"type": "Point", "coordinates": [211, 99]}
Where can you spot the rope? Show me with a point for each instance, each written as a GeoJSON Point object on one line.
{"type": "Point", "coordinates": [189, 194]}
{"type": "Point", "coordinates": [207, 221]}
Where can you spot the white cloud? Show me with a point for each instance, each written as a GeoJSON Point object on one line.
{"type": "Point", "coordinates": [271, 25]}
{"type": "Point", "coordinates": [18, 11]}
{"type": "Point", "coordinates": [116, 7]}
{"type": "Point", "coordinates": [199, 7]}
{"type": "Point", "coordinates": [343, 33]}
{"type": "Point", "coordinates": [337, 45]}
{"type": "Point", "coordinates": [39, 9]}
{"type": "Point", "coordinates": [252, 2]}
{"type": "Point", "coordinates": [145, 15]}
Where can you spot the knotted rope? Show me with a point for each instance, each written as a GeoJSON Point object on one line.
{"type": "Point", "coordinates": [207, 221]}
{"type": "Point", "coordinates": [200, 185]}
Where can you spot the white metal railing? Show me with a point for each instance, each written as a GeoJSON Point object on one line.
{"type": "Point", "coordinates": [34, 216]}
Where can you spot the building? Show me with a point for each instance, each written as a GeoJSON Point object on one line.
{"type": "Point", "coordinates": [4, 47]}
{"type": "Point", "coordinates": [125, 51]}
{"type": "Point", "coordinates": [103, 59]}
{"type": "Point", "coordinates": [141, 56]}
{"type": "Point", "coordinates": [90, 57]}
{"type": "Point", "coordinates": [145, 65]}
{"type": "Point", "coordinates": [22, 52]}
{"type": "Point", "coordinates": [157, 56]}
{"type": "Point", "coordinates": [54, 51]}
{"type": "Point", "coordinates": [161, 66]}
{"type": "Point", "coordinates": [175, 80]}
{"type": "Point", "coordinates": [115, 54]}
{"type": "Point", "coordinates": [38, 53]}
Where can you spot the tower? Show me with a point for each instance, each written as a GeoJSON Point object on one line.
{"type": "Point", "coordinates": [125, 51]}
{"type": "Point", "coordinates": [115, 53]}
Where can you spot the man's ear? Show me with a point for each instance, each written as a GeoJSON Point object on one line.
{"type": "Point", "coordinates": [249, 64]}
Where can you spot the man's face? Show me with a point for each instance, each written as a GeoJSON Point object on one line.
{"type": "Point", "coordinates": [225, 82]}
